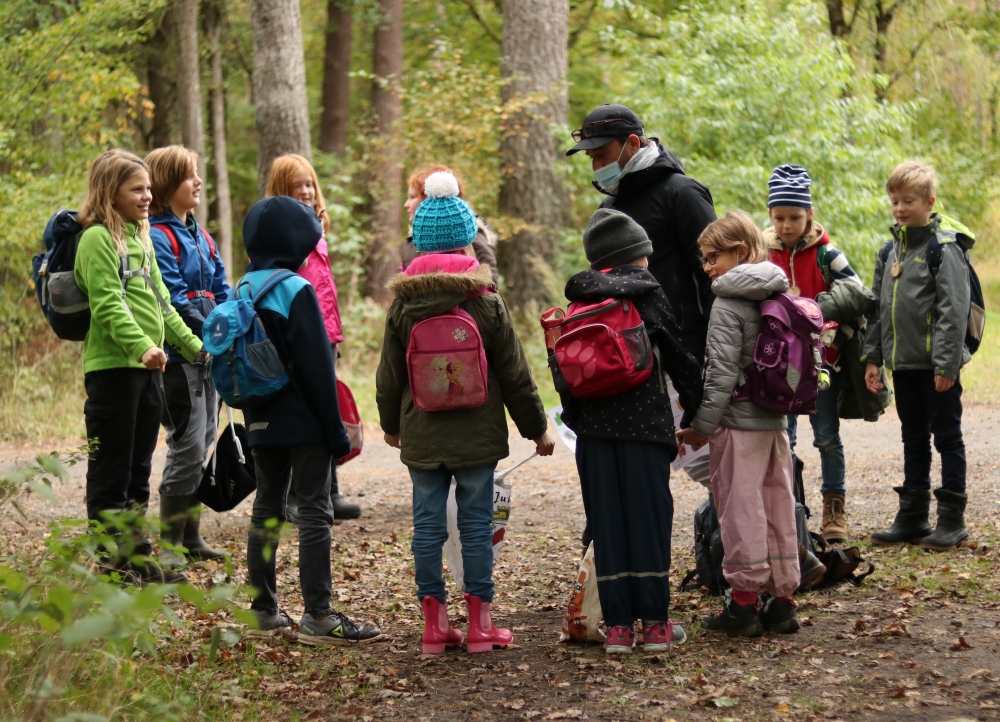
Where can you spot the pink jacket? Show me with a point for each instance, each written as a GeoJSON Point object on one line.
{"type": "Point", "coordinates": [317, 272]}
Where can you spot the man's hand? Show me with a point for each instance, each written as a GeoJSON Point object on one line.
{"type": "Point", "coordinates": [692, 438]}
{"type": "Point", "coordinates": [873, 379]}
{"type": "Point", "coordinates": [942, 383]}
{"type": "Point", "coordinates": [154, 358]}
{"type": "Point", "coordinates": [392, 440]}
{"type": "Point", "coordinates": [544, 445]}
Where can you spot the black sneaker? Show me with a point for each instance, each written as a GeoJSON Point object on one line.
{"type": "Point", "coordinates": [736, 620]}
{"type": "Point", "coordinates": [269, 624]}
{"type": "Point", "coordinates": [778, 615]}
{"type": "Point", "coordinates": [153, 573]}
{"type": "Point", "coordinates": [336, 629]}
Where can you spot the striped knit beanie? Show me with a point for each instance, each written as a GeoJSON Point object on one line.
{"type": "Point", "coordinates": [789, 186]}
{"type": "Point", "coordinates": [443, 221]}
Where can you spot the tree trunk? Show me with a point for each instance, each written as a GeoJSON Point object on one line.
{"type": "Point", "coordinates": [838, 23]}
{"type": "Point", "coordinates": [883, 19]}
{"type": "Point", "coordinates": [189, 88]}
{"type": "Point", "coordinates": [387, 199]}
{"type": "Point", "coordinates": [279, 83]}
{"type": "Point", "coordinates": [534, 63]}
{"type": "Point", "coordinates": [213, 21]}
{"type": "Point", "coordinates": [161, 89]}
{"type": "Point", "coordinates": [336, 81]}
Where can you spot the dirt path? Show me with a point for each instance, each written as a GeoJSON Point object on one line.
{"type": "Point", "coordinates": [919, 641]}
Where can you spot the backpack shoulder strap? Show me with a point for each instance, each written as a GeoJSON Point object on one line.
{"type": "Point", "coordinates": [174, 245]}
{"type": "Point", "coordinates": [213, 252]}
{"type": "Point", "coordinates": [823, 261]}
{"type": "Point", "coordinates": [884, 251]}
{"type": "Point", "coordinates": [269, 283]}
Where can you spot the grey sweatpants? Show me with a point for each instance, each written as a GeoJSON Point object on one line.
{"type": "Point", "coordinates": [191, 423]}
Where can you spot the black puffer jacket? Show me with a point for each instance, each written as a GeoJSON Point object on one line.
{"type": "Point", "coordinates": [673, 210]}
{"type": "Point", "coordinates": [641, 413]}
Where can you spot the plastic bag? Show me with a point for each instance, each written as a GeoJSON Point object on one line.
{"type": "Point", "coordinates": [689, 455]}
{"type": "Point", "coordinates": [502, 488]}
{"type": "Point", "coordinates": [582, 620]}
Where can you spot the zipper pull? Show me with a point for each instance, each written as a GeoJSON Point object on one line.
{"type": "Point", "coordinates": [625, 304]}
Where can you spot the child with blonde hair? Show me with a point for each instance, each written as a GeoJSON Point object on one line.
{"type": "Point", "coordinates": [123, 356]}
{"type": "Point", "coordinates": [751, 461]}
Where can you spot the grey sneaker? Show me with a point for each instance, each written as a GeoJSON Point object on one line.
{"type": "Point", "coordinates": [269, 624]}
{"type": "Point", "coordinates": [335, 629]}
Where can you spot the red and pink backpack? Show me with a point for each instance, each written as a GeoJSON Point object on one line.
{"type": "Point", "coordinates": [601, 348]}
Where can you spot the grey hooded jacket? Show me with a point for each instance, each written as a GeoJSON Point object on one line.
{"type": "Point", "coordinates": [920, 316]}
{"type": "Point", "coordinates": [732, 333]}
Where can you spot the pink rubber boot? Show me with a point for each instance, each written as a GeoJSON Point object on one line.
{"type": "Point", "coordinates": [438, 633]}
{"type": "Point", "coordinates": [483, 636]}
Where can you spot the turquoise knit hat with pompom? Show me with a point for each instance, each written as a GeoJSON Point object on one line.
{"type": "Point", "coordinates": [443, 221]}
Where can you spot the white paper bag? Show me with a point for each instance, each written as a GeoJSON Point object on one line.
{"type": "Point", "coordinates": [565, 433]}
{"type": "Point", "coordinates": [582, 620]}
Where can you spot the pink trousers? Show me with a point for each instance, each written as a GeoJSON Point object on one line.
{"type": "Point", "coordinates": [752, 482]}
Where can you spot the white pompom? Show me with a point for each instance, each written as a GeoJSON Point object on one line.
{"type": "Point", "coordinates": [441, 185]}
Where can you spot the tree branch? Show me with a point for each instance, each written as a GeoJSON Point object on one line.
{"type": "Point", "coordinates": [471, 4]}
{"type": "Point", "coordinates": [575, 35]}
{"type": "Point", "coordinates": [914, 51]}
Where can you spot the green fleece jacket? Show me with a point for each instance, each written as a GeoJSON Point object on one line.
{"type": "Point", "coordinates": [466, 437]}
{"type": "Point", "coordinates": [116, 339]}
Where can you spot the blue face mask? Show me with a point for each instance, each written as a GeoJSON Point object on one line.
{"type": "Point", "coordinates": [608, 176]}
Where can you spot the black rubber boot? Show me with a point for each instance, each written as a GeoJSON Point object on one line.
{"type": "Point", "coordinates": [342, 509]}
{"type": "Point", "coordinates": [736, 620]}
{"type": "Point", "coordinates": [951, 529]}
{"type": "Point", "coordinates": [173, 520]}
{"type": "Point", "coordinates": [911, 523]}
{"type": "Point", "coordinates": [197, 548]}
{"type": "Point", "coordinates": [778, 615]}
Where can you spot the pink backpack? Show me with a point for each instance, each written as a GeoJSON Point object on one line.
{"type": "Point", "coordinates": [787, 358]}
{"type": "Point", "coordinates": [446, 362]}
{"type": "Point", "coordinates": [603, 348]}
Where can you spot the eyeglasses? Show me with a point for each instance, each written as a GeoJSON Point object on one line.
{"type": "Point", "coordinates": [709, 259]}
{"type": "Point", "coordinates": [590, 129]}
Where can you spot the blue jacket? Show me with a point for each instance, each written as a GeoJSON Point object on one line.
{"type": "Point", "coordinates": [280, 232]}
{"type": "Point", "coordinates": [200, 270]}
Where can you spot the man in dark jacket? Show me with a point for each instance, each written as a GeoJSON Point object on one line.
{"type": "Point", "coordinates": [646, 182]}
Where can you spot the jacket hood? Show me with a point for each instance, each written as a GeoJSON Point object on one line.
{"type": "Point", "coordinates": [816, 236]}
{"type": "Point", "coordinates": [628, 280]}
{"type": "Point", "coordinates": [280, 232]}
{"type": "Point", "coordinates": [752, 281]}
{"type": "Point", "coordinates": [435, 283]}
{"type": "Point", "coordinates": [666, 163]}
{"type": "Point", "coordinates": [939, 222]}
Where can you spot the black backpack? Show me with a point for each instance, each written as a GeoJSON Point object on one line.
{"type": "Point", "coordinates": [230, 477]}
{"type": "Point", "coordinates": [707, 551]}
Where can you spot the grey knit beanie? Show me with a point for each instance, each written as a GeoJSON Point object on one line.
{"type": "Point", "coordinates": [613, 239]}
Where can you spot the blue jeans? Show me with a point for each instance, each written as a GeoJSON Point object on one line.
{"type": "Point", "coordinates": [826, 437]}
{"type": "Point", "coordinates": [474, 494]}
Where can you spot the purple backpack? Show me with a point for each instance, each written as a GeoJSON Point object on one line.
{"type": "Point", "coordinates": [787, 360]}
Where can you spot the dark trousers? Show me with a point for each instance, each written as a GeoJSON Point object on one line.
{"type": "Point", "coordinates": [310, 465]}
{"type": "Point", "coordinates": [122, 414]}
{"type": "Point", "coordinates": [626, 493]}
{"type": "Point", "coordinates": [334, 487]}
{"type": "Point", "coordinates": [922, 412]}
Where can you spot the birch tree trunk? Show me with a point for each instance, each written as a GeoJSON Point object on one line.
{"type": "Point", "coordinates": [189, 88]}
{"type": "Point", "coordinates": [279, 83]}
{"type": "Point", "coordinates": [534, 64]}
{"type": "Point", "coordinates": [387, 104]}
{"type": "Point", "coordinates": [215, 15]}
{"type": "Point", "coordinates": [336, 81]}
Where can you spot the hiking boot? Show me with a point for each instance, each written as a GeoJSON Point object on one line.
{"type": "Point", "coordinates": [482, 635]}
{"type": "Point", "coordinates": [659, 636]}
{"type": "Point", "coordinates": [778, 614]}
{"type": "Point", "coordinates": [834, 527]}
{"type": "Point", "coordinates": [335, 629]}
{"type": "Point", "coordinates": [910, 524]}
{"type": "Point", "coordinates": [152, 573]}
{"type": "Point", "coordinates": [619, 640]}
{"type": "Point", "coordinates": [196, 547]}
{"type": "Point", "coordinates": [173, 519]}
{"type": "Point", "coordinates": [438, 632]}
{"type": "Point", "coordinates": [269, 624]}
{"type": "Point", "coordinates": [811, 569]}
{"type": "Point", "coordinates": [122, 573]}
{"type": "Point", "coordinates": [736, 620]}
{"type": "Point", "coordinates": [951, 530]}
{"type": "Point", "coordinates": [342, 509]}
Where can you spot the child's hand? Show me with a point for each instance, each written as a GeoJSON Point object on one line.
{"type": "Point", "coordinates": [942, 383]}
{"type": "Point", "coordinates": [392, 440]}
{"type": "Point", "coordinates": [872, 378]}
{"type": "Point", "coordinates": [154, 358]}
{"type": "Point", "coordinates": [692, 438]}
{"type": "Point", "coordinates": [544, 445]}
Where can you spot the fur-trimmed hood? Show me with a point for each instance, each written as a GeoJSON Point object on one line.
{"type": "Point", "coordinates": [434, 283]}
{"type": "Point", "coordinates": [816, 235]}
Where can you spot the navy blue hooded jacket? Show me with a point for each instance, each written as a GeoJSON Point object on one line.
{"type": "Point", "coordinates": [279, 232]}
{"type": "Point", "coordinates": [200, 270]}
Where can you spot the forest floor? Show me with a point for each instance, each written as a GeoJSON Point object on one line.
{"type": "Point", "coordinates": [918, 640]}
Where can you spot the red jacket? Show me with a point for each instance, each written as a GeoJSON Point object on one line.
{"type": "Point", "coordinates": [317, 272]}
{"type": "Point", "coordinates": [800, 264]}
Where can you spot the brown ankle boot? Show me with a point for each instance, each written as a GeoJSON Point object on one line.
{"type": "Point", "coordinates": [834, 527]}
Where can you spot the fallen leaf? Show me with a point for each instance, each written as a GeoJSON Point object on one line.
{"type": "Point", "coordinates": [981, 672]}
{"type": "Point", "coordinates": [781, 708]}
{"type": "Point", "coordinates": [960, 643]}
{"type": "Point", "coordinates": [860, 625]}
{"type": "Point", "coordinates": [514, 704]}
{"type": "Point", "coordinates": [725, 701]}
{"type": "Point", "coordinates": [565, 714]}
{"type": "Point", "coordinates": [885, 655]}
